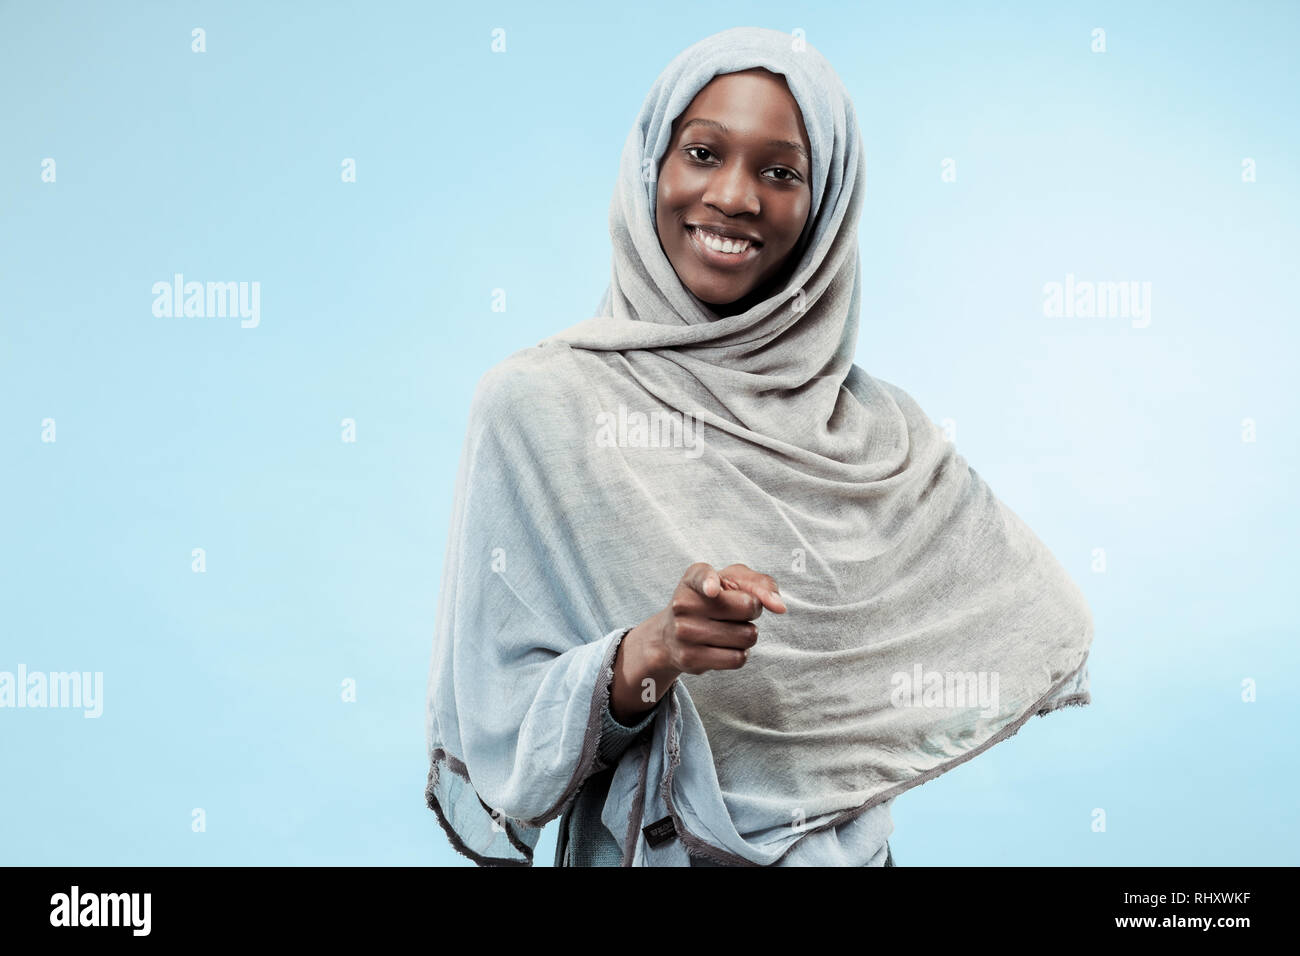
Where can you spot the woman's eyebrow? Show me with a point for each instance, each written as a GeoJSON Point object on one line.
{"type": "Point", "coordinates": [788, 144]}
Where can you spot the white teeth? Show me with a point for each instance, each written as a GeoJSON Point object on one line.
{"type": "Point", "coordinates": [720, 244]}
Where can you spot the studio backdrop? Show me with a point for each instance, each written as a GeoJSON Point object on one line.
{"type": "Point", "coordinates": [256, 259]}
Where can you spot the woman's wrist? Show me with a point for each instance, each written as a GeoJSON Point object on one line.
{"type": "Point", "coordinates": [641, 677]}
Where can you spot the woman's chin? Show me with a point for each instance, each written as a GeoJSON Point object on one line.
{"type": "Point", "coordinates": [716, 299]}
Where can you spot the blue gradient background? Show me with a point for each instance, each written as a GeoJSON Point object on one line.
{"type": "Point", "coordinates": [479, 171]}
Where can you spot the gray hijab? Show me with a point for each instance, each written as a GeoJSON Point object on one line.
{"type": "Point", "coordinates": [926, 621]}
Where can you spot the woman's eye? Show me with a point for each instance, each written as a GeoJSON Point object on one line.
{"type": "Point", "coordinates": [789, 177]}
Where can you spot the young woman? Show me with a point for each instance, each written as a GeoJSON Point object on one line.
{"type": "Point", "coordinates": [713, 594]}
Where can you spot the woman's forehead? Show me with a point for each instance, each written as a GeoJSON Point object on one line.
{"type": "Point", "coordinates": [753, 82]}
{"type": "Point", "coordinates": [757, 92]}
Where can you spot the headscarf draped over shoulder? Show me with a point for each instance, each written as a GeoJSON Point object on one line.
{"type": "Point", "coordinates": [926, 621]}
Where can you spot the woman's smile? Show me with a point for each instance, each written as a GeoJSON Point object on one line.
{"type": "Point", "coordinates": [721, 252]}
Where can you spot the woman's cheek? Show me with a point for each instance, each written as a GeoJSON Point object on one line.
{"type": "Point", "coordinates": [669, 190]}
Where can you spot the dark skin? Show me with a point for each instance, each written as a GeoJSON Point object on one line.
{"type": "Point", "coordinates": [708, 625]}
{"type": "Point", "coordinates": [750, 178]}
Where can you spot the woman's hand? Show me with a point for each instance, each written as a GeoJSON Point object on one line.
{"type": "Point", "coordinates": [707, 625]}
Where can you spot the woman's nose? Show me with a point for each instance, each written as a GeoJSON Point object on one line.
{"type": "Point", "coordinates": [731, 190]}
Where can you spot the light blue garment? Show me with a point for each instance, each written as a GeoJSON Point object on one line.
{"type": "Point", "coordinates": [583, 839]}
{"type": "Point", "coordinates": [926, 622]}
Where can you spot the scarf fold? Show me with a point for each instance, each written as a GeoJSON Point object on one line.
{"type": "Point", "coordinates": [925, 623]}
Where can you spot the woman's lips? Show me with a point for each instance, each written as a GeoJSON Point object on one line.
{"type": "Point", "coordinates": [721, 260]}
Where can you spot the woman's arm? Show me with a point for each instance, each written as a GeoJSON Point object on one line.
{"type": "Point", "coordinates": [706, 626]}
{"type": "Point", "coordinates": [632, 668]}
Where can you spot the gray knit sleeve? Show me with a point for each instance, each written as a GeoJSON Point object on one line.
{"type": "Point", "coordinates": [616, 737]}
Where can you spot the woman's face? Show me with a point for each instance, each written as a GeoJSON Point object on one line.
{"type": "Point", "coordinates": [738, 163]}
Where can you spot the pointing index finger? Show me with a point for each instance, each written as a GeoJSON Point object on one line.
{"type": "Point", "coordinates": [769, 598]}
